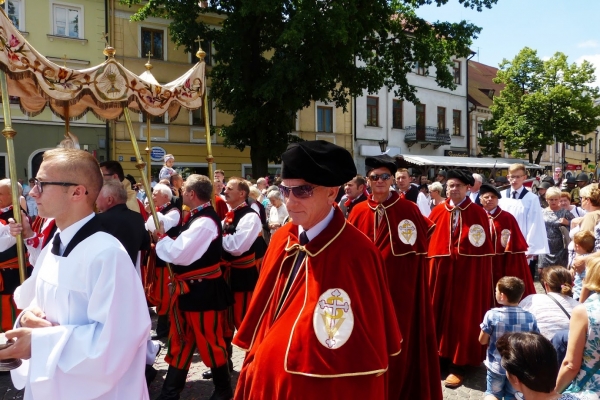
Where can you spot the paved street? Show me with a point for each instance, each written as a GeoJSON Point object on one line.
{"type": "Point", "coordinates": [200, 389]}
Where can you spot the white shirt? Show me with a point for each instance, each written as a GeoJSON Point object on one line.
{"type": "Point", "coordinates": [246, 232]}
{"type": "Point", "coordinates": [318, 228]}
{"type": "Point", "coordinates": [169, 220]}
{"type": "Point", "coordinates": [190, 245]}
{"type": "Point", "coordinates": [550, 318]}
{"type": "Point", "coordinates": [278, 215]}
{"type": "Point", "coordinates": [69, 232]}
{"type": "Point", "coordinates": [423, 204]}
{"type": "Point", "coordinates": [473, 196]}
{"type": "Point", "coordinates": [97, 350]}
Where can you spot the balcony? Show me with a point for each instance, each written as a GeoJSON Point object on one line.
{"type": "Point", "coordinates": [426, 135]}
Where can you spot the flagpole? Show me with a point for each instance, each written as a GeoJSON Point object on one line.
{"type": "Point", "coordinates": [209, 157]}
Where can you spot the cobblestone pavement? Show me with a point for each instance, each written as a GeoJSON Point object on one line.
{"type": "Point", "coordinates": [197, 388]}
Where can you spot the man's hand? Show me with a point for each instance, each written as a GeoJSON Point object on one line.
{"type": "Point", "coordinates": [34, 318]}
{"type": "Point", "coordinates": [22, 347]}
{"type": "Point", "coordinates": [159, 231]}
{"type": "Point", "coordinates": [24, 227]}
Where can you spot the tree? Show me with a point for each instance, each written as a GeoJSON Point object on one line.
{"type": "Point", "coordinates": [543, 102]}
{"type": "Point", "coordinates": [273, 57]}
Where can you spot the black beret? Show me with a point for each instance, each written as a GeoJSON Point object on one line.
{"type": "Point", "coordinates": [582, 177]}
{"type": "Point", "coordinates": [382, 161]}
{"type": "Point", "coordinates": [545, 185]}
{"type": "Point", "coordinates": [462, 175]}
{"type": "Point", "coordinates": [487, 188]}
{"type": "Point", "coordinates": [318, 162]}
{"type": "Point", "coordinates": [571, 179]}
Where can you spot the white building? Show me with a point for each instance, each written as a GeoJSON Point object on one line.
{"type": "Point", "coordinates": [437, 126]}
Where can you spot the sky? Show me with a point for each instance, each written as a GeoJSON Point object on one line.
{"type": "Point", "coordinates": [569, 26]}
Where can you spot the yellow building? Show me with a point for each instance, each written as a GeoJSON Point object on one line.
{"type": "Point", "coordinates": [67, 33]}
{"type": "Point", "coordinates": [185, 136]}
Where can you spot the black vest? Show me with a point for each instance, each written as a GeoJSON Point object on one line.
{"type": "Point", "coordinates": [356, 201]}
{"type": "Point", "coordinates": [242, 279]}
{"type": "Point", "coordinates": [205, 294]}
{"type": "Point", "coordinates": [412, 193]}
{"type": "Point", "coordinates": [10, 276]}
{"type": "Point", "coordinates": [172, 233]}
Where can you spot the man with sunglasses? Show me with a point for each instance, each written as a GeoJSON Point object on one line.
{"type": "Point", "coordinates": [321, 319]}
{"type": "Point", "coordinates": [399, 230]}
{"type": "Point", "coordinates": [460, 276]}
{"type": "Point", "coordinates": [85, 332]}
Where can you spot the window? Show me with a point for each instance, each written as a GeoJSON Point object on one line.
{"type": "Point", "coordinates": [207, 47]}
{"type": "Point", "coordinates": [420, 109]}
{"type": "Point", "coordinates": [372, 111]}
{"type": "Point", "coordinates": [324, 119]}
{"type": "Point", "coordinates": [152, 41]}
{"type": "Point", "coordinates": [14, 11]}
{"type": "Point", "coordinates": [589, 147]}
{"type": "Point", "coordinates": [419, 69]}
{"type": "Point", "coordinates": [456, 71]}
{"type": "Point", "coordinates": [479, 129]}
{"type": "Point", "coordinates": [397, 114]}
{"type": "Point", "coordinates": [67, 20]}
{"type": "Point", "coordinates": [198, 116]}
{"type": "Point", "coordinates": [153, 120]}
{"type": "Point", "coordinates": [441, 119]}
{"type": "Point", "coordinates": [456, 122]}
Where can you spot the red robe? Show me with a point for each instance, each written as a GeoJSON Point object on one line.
{"type": "Point", "coordinates": [288, 356]}
{"type": "Point", "coordinates": [510, 247]}
{"type": "Point", "coordinates": [220, 207]}
{"type": "Point", "coordinates": [411, 375]}
{"type": "Point", "coordinates": [460, 280]}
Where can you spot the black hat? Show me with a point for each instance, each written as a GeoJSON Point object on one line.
{"type": "Point", "coordinates": [545, 185]}
{"type": "Point", "coordinates": [582, 177]}
{"type": "Point", "coordinates": [462, 175]}
{"type": "Point", "coordinates": [487, 188]}
{"type": "Point", "coordinates": [571, 179]}
{"type": "Point", "coordinates": [443, 173]}
{"type": "Point", "coordinates": [318, 162]}
{"type": "Point", "coordinates": [382, 161]}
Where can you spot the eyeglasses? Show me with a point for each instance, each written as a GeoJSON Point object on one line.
{"type": "Point", "coordinates": [300, 192]}
{"type": "Point", "coordinates": [375, 177]}
{"type": "Point", "coordinates": [40, 185]}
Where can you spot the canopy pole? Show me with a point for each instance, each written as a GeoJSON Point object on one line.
{"type": "Point", "coordinates": [209, 157]}
{"type": "Point", "coordinates": [140, 165]}
{"type": "Point", "coordinates": [9, 133]}
{"type": "Point", "coordinates": [148, 143]}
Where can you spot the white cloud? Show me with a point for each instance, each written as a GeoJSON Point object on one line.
{"type": "Point", "coordinates": [545, 58]}
{"type": "Point", "coordinates": [595, 60]}
{"type": "Point", "coordinates": [588, 43]}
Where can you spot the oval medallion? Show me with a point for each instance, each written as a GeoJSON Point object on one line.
{"type": "Point", "coordinates": [504, 237]}
{"type": "Point", "coordinates": [407, 232]}
{"type": "Point", "coordinates": [476, 235]}
{"type": "Point", "coordinates": [333, 319]}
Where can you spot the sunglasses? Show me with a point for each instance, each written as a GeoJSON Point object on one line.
{"type": "Point", "coordinates": [375, 177]}
{"type": "Point", "coordinates": [300, 192]}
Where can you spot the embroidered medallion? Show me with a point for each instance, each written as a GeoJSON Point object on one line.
{"type": "Point", "coordinates": [407, 232]}
{"type": "Point", "coordinates": [504, 237]}
{"type": "Point", "coordinates": [333, 319]}
{"type": "Point", "coordinates": [476, 235]}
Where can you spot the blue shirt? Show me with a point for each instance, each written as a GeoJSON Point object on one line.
{"type": "Point", "coordinates": [499, 321]}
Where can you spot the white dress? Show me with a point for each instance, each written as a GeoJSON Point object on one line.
{"type": "Point", "coordinates": [97, 350]}
{"type": "Point", "coordinates": [528, 213]}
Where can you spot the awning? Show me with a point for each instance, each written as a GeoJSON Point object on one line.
{"type": "Point", "coordinates": [465, 162]}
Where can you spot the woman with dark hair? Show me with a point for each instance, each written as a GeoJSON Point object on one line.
{"type": "Point", "coordinates": [578, 374]}
{"type": "Point", "coordinates": [530, 363]}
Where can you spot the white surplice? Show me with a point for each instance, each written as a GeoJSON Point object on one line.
{"type": "Point", "coordinates": [98, 348]}
{"type": "Point", "coordinates": [528, 213]}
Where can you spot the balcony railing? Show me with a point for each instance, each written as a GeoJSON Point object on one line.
{"type": "Point", "coordinates": [426, 135]}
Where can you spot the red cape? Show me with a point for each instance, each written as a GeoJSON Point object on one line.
{"type": "Point", "coordinates": [220, 207]}
{"type": "Point", "coordinates": [286, 358]}
{"type": "Point", "coordinates": [460, 281]}
{"type": "Point", "coordinates": [402, 239]}
{"type": "Point", "coordinates": [510, 247]}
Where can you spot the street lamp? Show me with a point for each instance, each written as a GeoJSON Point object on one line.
{"type": "Point", "coordinates": [383, 145]}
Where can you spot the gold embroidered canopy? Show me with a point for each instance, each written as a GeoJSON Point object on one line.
{"type": "Point", "coordinates": [105, 89]}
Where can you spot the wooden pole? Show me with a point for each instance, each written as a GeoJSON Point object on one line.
{"type": "Point", "coordinates": [9, 133]}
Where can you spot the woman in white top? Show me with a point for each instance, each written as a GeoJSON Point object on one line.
{"type": "Point", "coordinates": [435, 193]}
{"type": "Point", "coordinates": [278, 212]}
{"type": "Point", "coordinates": [558, 284]}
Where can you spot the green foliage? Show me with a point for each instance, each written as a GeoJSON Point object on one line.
{"type": "Point", "coordinates": [273, 57]}
{"type": "Point", "coordinates": [543, 102]}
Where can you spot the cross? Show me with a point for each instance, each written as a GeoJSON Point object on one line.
{"type": "Point", "coordinates": [332, 303]}
{"type": "Point", "coordinates": [104, 36]}
{"type": "Point", "coordinates": [149, 55]}
{"type": "Point", "coordinates": [64, 58]}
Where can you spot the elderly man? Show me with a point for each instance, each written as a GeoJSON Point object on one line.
{"type": "Point", "coordinates": [112, 170]}
{"type": "Point", "coordinates": [157, 274]}
{"type": "Point", "coordinates": [400, 232]}
{"type": "Point", "coordinates": [509, 244]}
{"type": "Point", "coordinates": [460, 276]}
{"type": "Point", "coordinates": [312, 328]}
{"type": "Point", "coordinates": [411, 192]}
{"type": "Point", "coordinates": [118, 220]}
{"type": "Point", "coordinates": [356, 193]}
{"type": "Point", "coordinates": [201, 293]}
{"type": "Point", "coordinates": [474, 191]}
{"type": "Point", "coordinates": [86, 295]}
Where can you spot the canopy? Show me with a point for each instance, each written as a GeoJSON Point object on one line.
{"type": "Point", "coordinates": [104, 89]}
{"type": "Point", "coordinates": [468, 162]}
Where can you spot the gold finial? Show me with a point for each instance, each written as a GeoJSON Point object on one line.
{"type": "Point", "coordinates": [104, 36]}
{"type": "Point", "coordinates": [64, 58]}
{"type": "Point", "coordinates": [200, 53]}
{"type": "Point", "coordinates": [109, 51]}
{"type": "Point", "coordinates": [1, 2]}
{"type": "Point", "coordinates": [148, 65]}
